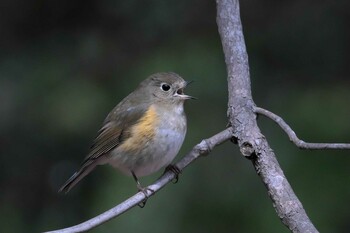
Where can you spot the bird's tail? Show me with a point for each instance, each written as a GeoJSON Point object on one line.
{"type": "Point", "coordinates": [76, 177]}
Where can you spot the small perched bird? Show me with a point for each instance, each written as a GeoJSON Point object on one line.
{"type": "Point", "coordinates": [143, 133]}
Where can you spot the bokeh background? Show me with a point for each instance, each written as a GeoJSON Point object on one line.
{"type": "Point", "coordinates": [65, 64]}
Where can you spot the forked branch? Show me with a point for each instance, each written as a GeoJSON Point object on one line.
{"type": "Point", "coordinates": [243, 120]}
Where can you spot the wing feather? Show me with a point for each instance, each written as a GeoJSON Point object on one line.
{"type": "Point", "coordinates": [115, 130]}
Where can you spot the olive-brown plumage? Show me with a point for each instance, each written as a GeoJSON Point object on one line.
{"type": "Point", "coordinates": [143, 133]}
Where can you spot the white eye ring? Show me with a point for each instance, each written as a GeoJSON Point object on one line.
{"type": "Point", "coordinates": [165, 87]}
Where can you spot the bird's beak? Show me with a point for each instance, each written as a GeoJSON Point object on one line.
{"type": "Point", "coordinates": [180, 92]}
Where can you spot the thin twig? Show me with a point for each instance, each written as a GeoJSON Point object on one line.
{"type": "Point", "coordinates": [293, 137]}
{"type": "Point", "coordinates": [203, 148]}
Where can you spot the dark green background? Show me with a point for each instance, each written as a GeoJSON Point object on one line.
{"type": "Point", "coordinates": [65, 64]}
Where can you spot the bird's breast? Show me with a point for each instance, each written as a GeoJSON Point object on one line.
{"type": "Point", "coordinates": [153, 143]}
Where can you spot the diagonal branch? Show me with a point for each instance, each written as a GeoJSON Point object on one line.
{"type": "Point", "coordinates": [203, 148]}
{"type": "Point", "coordinates": [293, 137]}
{"type": "Point", "coordinates": [242, 118]}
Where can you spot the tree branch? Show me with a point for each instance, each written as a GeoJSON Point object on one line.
{"type": "Point", "coordinates": [293, 137]}
{"type": "Point", "coordinates": [203, 148]}
{"type": "Point", "coordinates": [242, 118]}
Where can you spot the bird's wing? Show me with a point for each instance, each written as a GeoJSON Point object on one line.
{"type": "Point", "coordinates": [114, 131]}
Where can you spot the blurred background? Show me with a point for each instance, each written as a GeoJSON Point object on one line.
{"type": "Point", "coordinates": [65, 64]}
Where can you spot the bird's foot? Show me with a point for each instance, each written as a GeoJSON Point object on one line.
{"type": "Point", "coordinates": [175, 170]}
{"type": "Point", "coordinates": [145, 192]}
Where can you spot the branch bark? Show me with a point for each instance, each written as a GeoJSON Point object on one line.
{"type": "Point", "coordinates": [293, 137]}
{"type": "Point", "coordinates": [201, 149]}
{"type": "Point", "coordinates": [242, 118]}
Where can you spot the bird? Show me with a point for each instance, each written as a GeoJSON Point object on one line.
{"type": "Point", "coordinates": [143, 133]}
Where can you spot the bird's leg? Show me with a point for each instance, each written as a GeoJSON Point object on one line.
{"type": "Point", "coordinates": [175, 170]}
{"type": "Point", "coordinates": [141, 189]}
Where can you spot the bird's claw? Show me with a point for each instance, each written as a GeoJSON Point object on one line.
{"type": "Point", "coordinates": [175, 170]}
{"type": "Point", "coordinates": [145, 192]}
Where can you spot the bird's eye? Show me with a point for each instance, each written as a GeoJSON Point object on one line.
{"type": "Point", "coordinates": [165, 87]}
